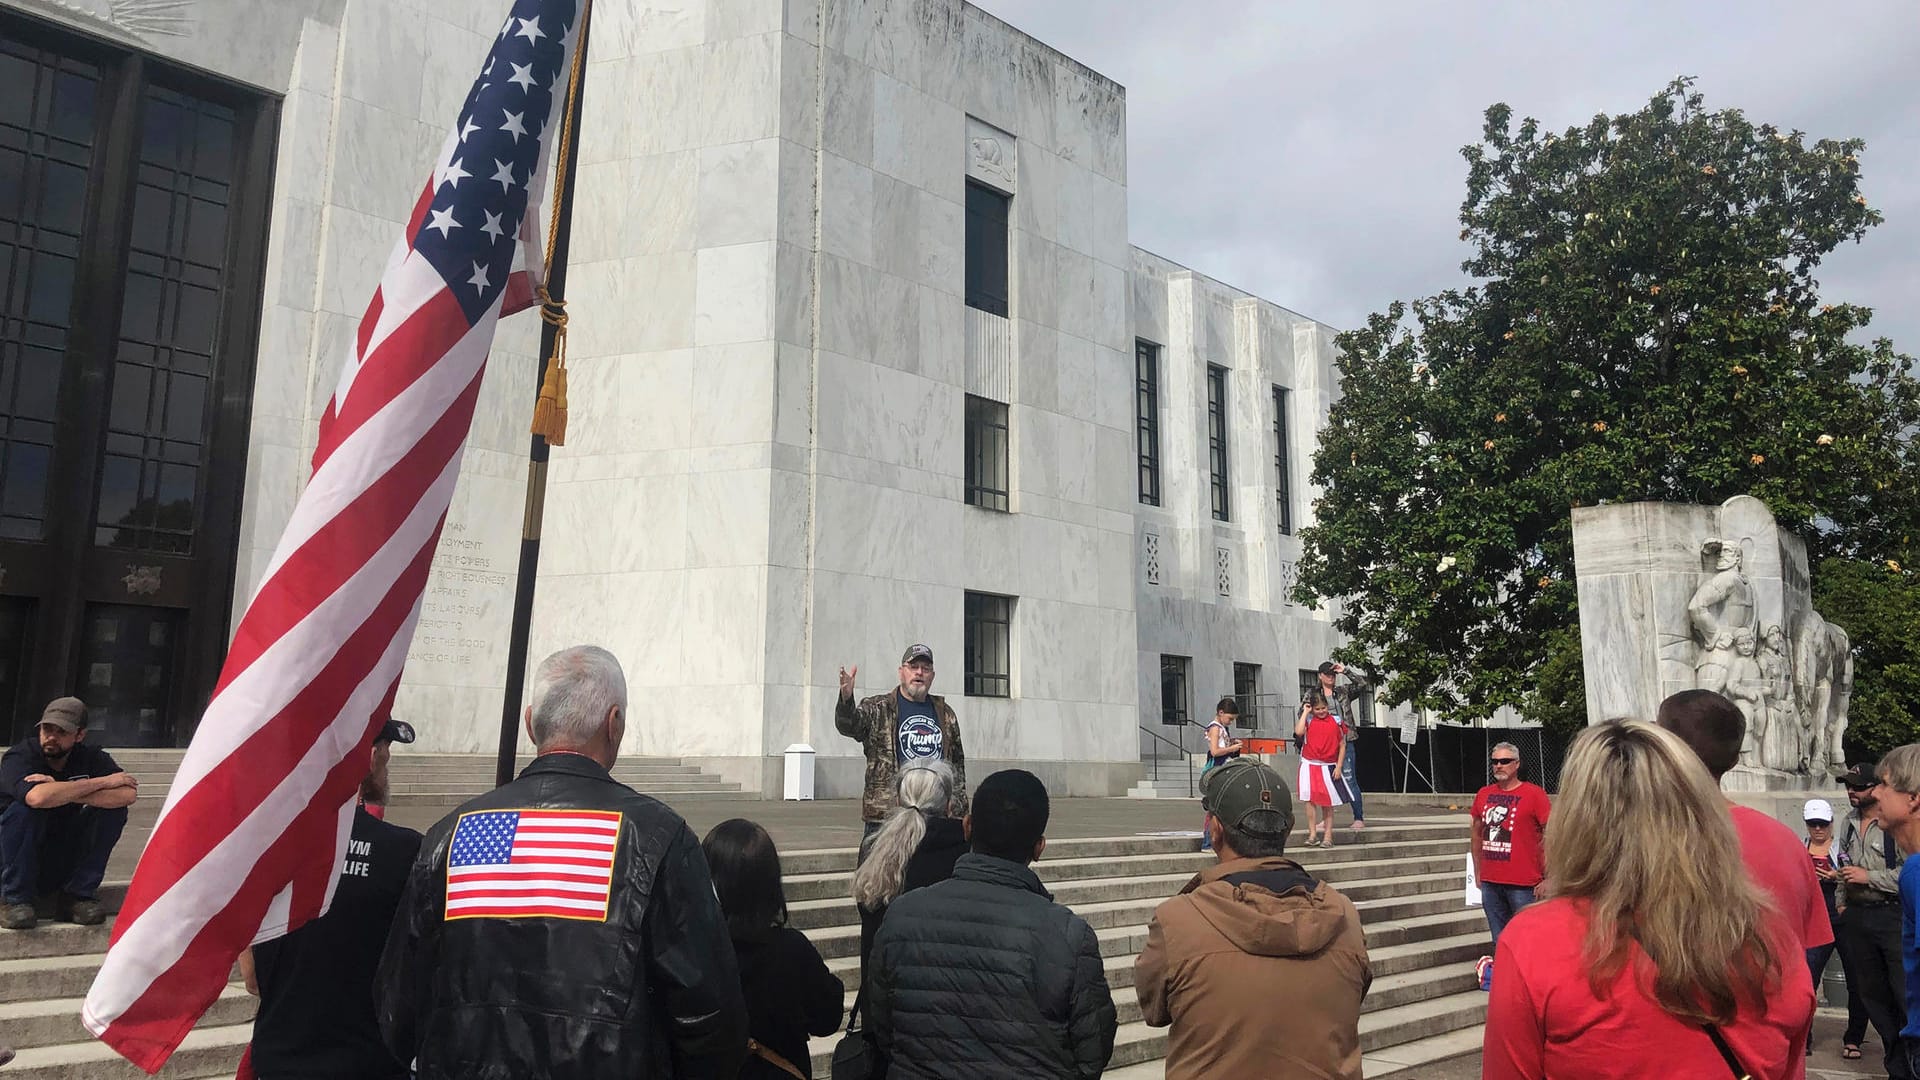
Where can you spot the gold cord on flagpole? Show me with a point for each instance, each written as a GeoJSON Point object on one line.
{"type": "Point", "coordinates": [550, 408]}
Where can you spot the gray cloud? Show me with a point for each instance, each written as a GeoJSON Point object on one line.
{"type": "Point", "coordinates": [1309, 153]}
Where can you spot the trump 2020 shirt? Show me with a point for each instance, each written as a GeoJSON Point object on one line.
{"type": "Point", "coordinates": [919, 737]}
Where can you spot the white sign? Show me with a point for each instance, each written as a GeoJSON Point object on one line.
{"type": "Point", "coordinates": [1410, 728]}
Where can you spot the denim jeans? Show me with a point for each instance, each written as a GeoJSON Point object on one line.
{"type": "Point", "coordinates": [65, 848]}
{"type": "Point", "coordinates": [1501, 903]}
{"type": "Point", "coordinates": [1353, 782]}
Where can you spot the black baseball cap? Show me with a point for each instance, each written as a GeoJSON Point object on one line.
{"type": "Point", "coordinates": [1326, 668]}
{"type": "Point", "coordinates": [1860, 776]}
{"type": "Point", "coordinates": [916, 652]}
{"type": "Point", "coordinates": [395, 731]}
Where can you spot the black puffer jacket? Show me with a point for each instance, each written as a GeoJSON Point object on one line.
{"type": "Point", "coordinates": [650, 991]}
{"type": "Point", "coordinates": [985, 976]}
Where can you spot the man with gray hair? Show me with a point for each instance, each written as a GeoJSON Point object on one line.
{"type": "Point", "coordinates": [1509, 822]}
{"type": "Point", "coordinates": [563, 925]}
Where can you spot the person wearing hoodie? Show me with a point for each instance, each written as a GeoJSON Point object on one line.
{"type": "Point", "coordinates": [1259, 967]}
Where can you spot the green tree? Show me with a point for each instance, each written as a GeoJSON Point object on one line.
{"type": "Point", "coordinates": [1878, 603]}
{"type": "Point", "coordinates": [1642, 323]}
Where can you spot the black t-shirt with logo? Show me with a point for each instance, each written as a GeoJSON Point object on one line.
{"type": "Point", "coordinates": [918, 737]}
{"type": "Point", "coordinates": [316, 1017]}
{"type": "Point", "coordinates": [24, 759]}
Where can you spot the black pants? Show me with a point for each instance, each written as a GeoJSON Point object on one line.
{"type": "Point", "coordinates": [1870, 943]}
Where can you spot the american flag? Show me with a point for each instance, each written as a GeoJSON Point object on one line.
{"type": "Point", "coordinates": [520, 864]}
{"type": "Point", "coordinates": [249, 843]}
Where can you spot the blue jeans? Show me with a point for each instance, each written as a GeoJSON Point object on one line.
{"type": "Point", "coordinates": [65, 848]}
{"type": "Point", "coordinates": [1502, 903]}
{"type": "Point", "coordinates": [1353, 781]}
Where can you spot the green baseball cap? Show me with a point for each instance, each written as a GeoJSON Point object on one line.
{"type": "Point", "coordinates": [1248, 795]}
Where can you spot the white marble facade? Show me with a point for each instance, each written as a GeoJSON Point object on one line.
{"type": "Point", "coordinates": [763, 478]}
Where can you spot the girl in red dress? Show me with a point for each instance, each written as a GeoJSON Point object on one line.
{"type": "Point", "coordinates": [1323, 750]}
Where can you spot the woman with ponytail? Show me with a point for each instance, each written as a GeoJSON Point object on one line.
{"type": "Point", "coordinates": [917, 845]}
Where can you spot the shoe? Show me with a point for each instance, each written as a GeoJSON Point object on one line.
{"type": "Point", "coordinates": [85, 912]}
{"type": "Point", "coordinates": [1358, 823]}
{"type": "Point", "coordinates": [6, 1054]}
{"type": "Point", "coordinates": [19, 917]}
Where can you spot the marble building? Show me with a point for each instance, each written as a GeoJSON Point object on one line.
{"type": "Point", "coordinates": [861, 356]}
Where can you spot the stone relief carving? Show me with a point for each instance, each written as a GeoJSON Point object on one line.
{"type": "Point", "coordinates": [1150, 556]}
{"type": "Point", "coordinates": [142, 580]}
{"type": "Point", "coordinates": [139, 18]}
{"type": "Point", "coordinates": [987, 157]}
{"type": "Point", "coordinates": [1223, 570]}
{"type": "Point", "coordinates": [1674, 597]}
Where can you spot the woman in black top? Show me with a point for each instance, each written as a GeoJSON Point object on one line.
{"type": "Point", "coordinates": [917, 845]}
{"type": "Point", "coordinates": [790, 993]}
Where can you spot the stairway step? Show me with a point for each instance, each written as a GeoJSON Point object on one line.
{"type": "Point", "coordinates": [205, 1052]}
{"type": "Point", "coordinates": [52, 1021]}
{"type": "Point", "coordinates": [1422, 1019]}
{"type": "Point", "coordinates": [1422, 1053]}
{"type": "Point", "coordinates": [53, 939]}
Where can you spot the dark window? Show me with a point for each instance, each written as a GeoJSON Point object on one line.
{"type": "Point", "coordinates": [1282, 461]}
{"type": "Point", "coordinates": [987, 214]}
{"type": "Point", "coordinates": [986, 453]}
{"type": "Point", "coordinates": [989, 659]}
{"type": "Point", "coordinates": [1246, 691]}
{"type": "Point", "coordinates": [1173, 689]}
{"type": "Point", "coordinates": [1146, 370]}
{"type": "Point", "coordinates": [1217, 439]}
{"type": "Point", "coordinates": [127, 663]}
{"type": "Point", "coordinates": [46, 155]}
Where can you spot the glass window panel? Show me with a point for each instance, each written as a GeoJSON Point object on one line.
{"type": "Point", "coordinates": [17, 76]}
{"type": "Point", "coordinates": [8, 253]}
{"type": "Point", "coordinates": [71, 116]}
{"type": "Point", "coordinates": [36, 393]}
{"type": "Point", "coordinates": [132, 397]}
{"type": "Point", "coordinates": [163, 133]}
{"type": "Point", "coordinates": [140, 309]}
{"type": "Point", "coordinates": [198, 310]}
{"type": "Point", "coordinates": [23, 487]}
{"type": "Point", "coordinates": [63, 197]}
{"type": "Point", "coordinates": [213, 157]}
{"type": "Point", "coordinates": [13, 182]}
{"type": "Point", "coordinates": [207, 233]}
{"type": "Point", "coordinates": [986, 249]}
{"type": "Point", "coordinates": [175, 495]}
{"type": "Point", "coordinates": [186, 403]}
{"type": "Point", "coordinates": [119, 490]}
{"type": "Point", "coordinates": [152, 208]}
{"type": "Point", "coordinates": [50, 289]}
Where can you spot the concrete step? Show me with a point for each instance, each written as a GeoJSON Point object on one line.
{"type": "Point", "coordinates": [51, 1021]}
{"type": "Point", "coordinates": [1412, 1059]}
{"type": "Point", "coordinates": [205, 1052]}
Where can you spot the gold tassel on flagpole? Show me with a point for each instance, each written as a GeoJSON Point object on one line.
{"type": "Point", "coordinates": [550, 409]}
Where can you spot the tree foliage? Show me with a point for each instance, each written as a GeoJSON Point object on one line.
{"type": "Point", "coordinates": [1642, 323]}
{"type": "Point", "coordinates": [1878, 603]}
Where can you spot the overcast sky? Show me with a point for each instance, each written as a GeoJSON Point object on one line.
{"type": "Point", "coordinates": [1309, 152]}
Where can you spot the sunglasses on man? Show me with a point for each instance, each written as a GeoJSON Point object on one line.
{"type": "Point", "coordinates": [1504, 760]}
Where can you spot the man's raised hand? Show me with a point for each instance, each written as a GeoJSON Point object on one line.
{"type": "Point", "coordinates": [846, 680]}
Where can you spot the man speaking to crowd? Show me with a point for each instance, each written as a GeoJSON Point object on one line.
{"type": "Point", "coordinates": [904, 725]}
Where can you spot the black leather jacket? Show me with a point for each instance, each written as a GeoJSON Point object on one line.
{"type": "Point", "coordinates": [652, 991]}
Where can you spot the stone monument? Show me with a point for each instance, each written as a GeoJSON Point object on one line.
{"type": "Point", "coordinates": [1674, 597]}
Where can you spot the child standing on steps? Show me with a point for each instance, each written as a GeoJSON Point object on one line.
{"type": "Point", "coordinates": [1323, 751]}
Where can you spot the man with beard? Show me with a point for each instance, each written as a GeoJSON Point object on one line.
{"type": "Point", "coordinates": [315, 984]}
{"type": "Point", "coordinates": [1868, 930]}
{"type": "Point", "coordinates": [63, 805]}
{"type": "Point", "coordinates": [897, 728]}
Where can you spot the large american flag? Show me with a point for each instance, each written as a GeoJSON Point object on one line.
{"type": "Point", "coordinates": [250, 840]}
{"type": "Point", "coordinates": [521, 864]}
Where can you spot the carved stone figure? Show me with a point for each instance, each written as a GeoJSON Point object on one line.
{"type": "Point", "coordinates": [1788, 732]}
{"type": "Point", "coordinates": [1824, 659]}
{"type": "Point", "coordinates": [1721, 606]}
{"type": "Point", "coordinates": [1746, 686]}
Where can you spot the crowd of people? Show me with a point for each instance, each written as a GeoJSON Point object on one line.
{"type": "Point", "coordinates": [564, 925]}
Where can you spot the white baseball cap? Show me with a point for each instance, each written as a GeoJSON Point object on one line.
{"type": "Point", "coordinates": [1817, 810]}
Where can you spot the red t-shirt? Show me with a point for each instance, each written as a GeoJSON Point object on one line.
{"type": "Point", "coordinates": [1777, 862]}
{"type": "Point", "coordinates": [1544, 1022]}
{"type": "Point", "coordinates": [1323, 739]}
{"type": "Point", "coordinates": [1514, 822]}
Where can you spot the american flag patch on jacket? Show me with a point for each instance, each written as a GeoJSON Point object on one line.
{"type": "Point", "coordinates": [532, 864]}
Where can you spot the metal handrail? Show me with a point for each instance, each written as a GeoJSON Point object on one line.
{"type": "Point", "coordinates": [1185, 754]}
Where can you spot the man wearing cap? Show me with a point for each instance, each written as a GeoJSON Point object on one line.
{"type": "Point", "coordinates": [63, 804]}
{"type": "Point", "coordinates": [315, 984]}
{"type": "Point", "coordinates": [1259, 967]}
{"type": "Point", "coordinates": [1868, 929]}
{"type": "Point", "coordinates": [906, 724]}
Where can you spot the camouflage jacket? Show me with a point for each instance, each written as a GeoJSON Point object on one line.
{"type": "Point", "coordinates": [875, 721]}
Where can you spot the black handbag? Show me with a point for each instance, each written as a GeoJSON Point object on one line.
{"type": "Point", "coordinates": [855, 1057]}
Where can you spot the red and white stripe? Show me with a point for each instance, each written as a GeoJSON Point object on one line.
{"type": "Point", "coordinates": [248, 844]}
{"type": "Point", "coordinates": [1321, 784]}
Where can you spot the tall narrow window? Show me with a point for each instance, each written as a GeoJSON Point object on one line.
{"type": "Point", "coordinates": [1173, 689]}
{"type": "Point", "coordinates": [989, 652]}
{"type": "Point", "coordinates": [986, 453]}
{"type": "Point", "coordinates": [1282, 461]}
{"type": "Point", "coordinates": [1217, 439]}
{"type": "Point", "coordinates": [1146, 370]}
{"type": "Point", "coordinates": [1246, 691]}
{"type": "Point", "coordinates": [987, 214]}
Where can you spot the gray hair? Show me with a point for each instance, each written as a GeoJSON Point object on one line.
{"type": "Point", "coordinates": [925, 788]}
{"type": "Point", "coordinates": [572, 692]}
{"type": "Point", "coordinates": [1507, 746]}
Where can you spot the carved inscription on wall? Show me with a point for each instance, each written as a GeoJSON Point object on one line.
{"type": "Point", "coordinates": [464, 579]}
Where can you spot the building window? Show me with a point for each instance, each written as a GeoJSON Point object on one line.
{"type": "Point", "coordinates": [986, 453]}
{"type": "Point", "coordinates": [1173, 689]}
{"type": "Point", "coordinates": [1282, 461]}
{"type": "Point", "coordinates": [1246, 691]}
{"type": "Point", "coordinates": [1217, 439]}
{"type": "Point", "coordinates": [1146, 370]}
{"type": "Point", "coordinates": [987, 214]}
{"type": "Point", "coordinates": [989, 652]}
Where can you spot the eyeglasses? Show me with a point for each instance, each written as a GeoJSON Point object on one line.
{"type": "Point", "coordinates": [1819, 824]}
{"type": "Point", "coordinates": [1504, 760]}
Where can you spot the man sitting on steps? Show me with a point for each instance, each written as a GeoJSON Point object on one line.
{"type": "Point", "coordinates": [63, 805]}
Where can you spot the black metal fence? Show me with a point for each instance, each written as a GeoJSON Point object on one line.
{"type": "Point", "coordinates": [1454, 759]}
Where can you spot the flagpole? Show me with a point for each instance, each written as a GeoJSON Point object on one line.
{"type": "Point", "coordinates": [552, 333]}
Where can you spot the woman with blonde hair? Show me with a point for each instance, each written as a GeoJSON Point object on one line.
{"type": "Point", "coordinates": [1654, 954]}
{"type": "Point", "coordinates": [916, 845]}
